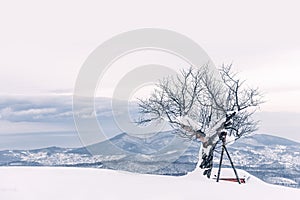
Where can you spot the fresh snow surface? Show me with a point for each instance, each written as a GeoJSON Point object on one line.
{"type": "Point", "coordinates": [46, 183]}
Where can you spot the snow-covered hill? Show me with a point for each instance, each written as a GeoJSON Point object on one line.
{"type": "Point", "coordinates": [45, 183]}
{"type": "Point", "coordinates": [272, 159]}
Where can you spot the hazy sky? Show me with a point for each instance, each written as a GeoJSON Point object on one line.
{"type": "Point", "coordinates": [43, 44]}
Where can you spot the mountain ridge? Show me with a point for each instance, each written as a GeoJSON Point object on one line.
{"type": "Point", "coordinates": [270, 158]}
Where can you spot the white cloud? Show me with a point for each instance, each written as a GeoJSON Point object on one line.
{"type": "Point", "coordinates": [45, 53]}
{"type": "Point", "coordinates": [35, 111]}
{"type": "Point", "coordinates": [9, 111]}
{"type": "Point", "coordinates": [8, 127]}
{"type": "Point", "coordinates": [44, 44]}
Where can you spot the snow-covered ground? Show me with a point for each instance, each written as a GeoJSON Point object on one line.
{"type": "Point", "coordinates": [49, 183]}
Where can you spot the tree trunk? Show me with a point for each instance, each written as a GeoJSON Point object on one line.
{"type": "Point", "coordinates": [205, 155]}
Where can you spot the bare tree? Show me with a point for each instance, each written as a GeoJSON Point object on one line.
{"type": "Point", "coordinates": [199, 106]}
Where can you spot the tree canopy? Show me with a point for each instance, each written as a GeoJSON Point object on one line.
{"type": "Point", "coordinates": [198, 104]}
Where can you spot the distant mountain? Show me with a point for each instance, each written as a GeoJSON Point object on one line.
{"type": "Point", "coordinates": [263, 139]}
{"type": "Point", "coordinates": [273, 159]}
{"type": "Point", "coordinates": [155, 154]}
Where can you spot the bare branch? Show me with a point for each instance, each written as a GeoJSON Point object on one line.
{"type": "Point", "coordinates": [196, 104]}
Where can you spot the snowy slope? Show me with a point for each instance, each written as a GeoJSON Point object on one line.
{"type": "Point", "coordinates": [272, 159]}
{"type": "Point", "coordinates": [46, 183]}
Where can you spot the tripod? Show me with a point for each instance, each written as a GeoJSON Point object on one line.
{"type": "Point", "coordinates": [222, 137]}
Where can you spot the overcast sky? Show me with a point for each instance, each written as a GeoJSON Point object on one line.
{"type": "Point", "coordinates": [43, 44]}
